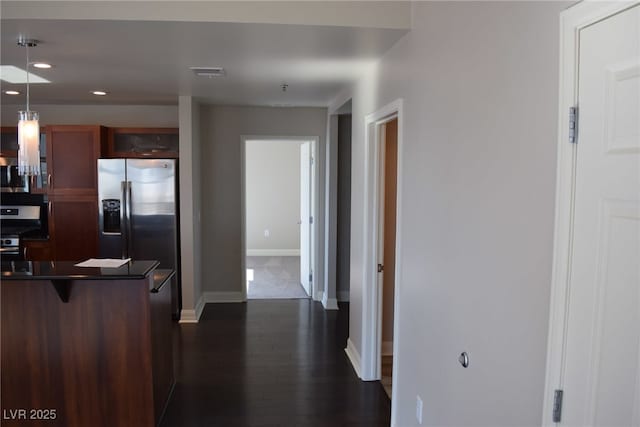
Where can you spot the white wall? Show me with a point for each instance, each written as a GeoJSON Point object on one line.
{"type": "Point", "coordinates": [221, 158]}
{"type": "Point", "coordinates": [479, 82]}
{"type": "Point", "coordinates": [190, 210]}
{"type": "Point", "coordinates": [98, 114]}
{"type": "Point", "coordinates": [273, 197]}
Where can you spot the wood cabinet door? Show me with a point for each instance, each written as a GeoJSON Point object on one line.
{"type": "Point", "coordinates": [72, 156]}
{"type": "Point", "coordinates": [37, 250]}
{"type": "Point", "coordinates": [73, 227]}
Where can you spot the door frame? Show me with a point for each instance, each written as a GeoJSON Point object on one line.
{"type": "Point", "coordinates": [313, 261]}
{"type": "Point", "coordinates": [372, 291]}
{"type": "Point", "coordinates": [572, 21]}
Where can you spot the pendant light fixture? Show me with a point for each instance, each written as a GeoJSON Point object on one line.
{"type": "Point", "coordinates": [28, 129]}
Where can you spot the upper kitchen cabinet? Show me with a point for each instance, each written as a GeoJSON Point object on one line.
{"type": "Point", "coordinates": [143, 143]}
{"type": "Point", "coordinates": [9, 141]}
{"type": "Point", "coordinates": [72, 157]}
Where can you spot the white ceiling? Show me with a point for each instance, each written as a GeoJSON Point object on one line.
{"type": "Point", "coordinates": [147, 62]}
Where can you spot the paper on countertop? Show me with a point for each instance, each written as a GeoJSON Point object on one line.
{"type": "Point", "coordinates": [103, 262]}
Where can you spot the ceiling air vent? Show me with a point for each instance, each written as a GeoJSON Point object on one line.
{"type": "Point", "coordinates": [208, 71]}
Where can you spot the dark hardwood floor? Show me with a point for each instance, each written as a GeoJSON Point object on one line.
{"type": "Point", "coordinates": [270, 363]}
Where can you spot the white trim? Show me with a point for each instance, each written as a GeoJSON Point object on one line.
{"type": "Point", "coordinates": [329, 303]}
{"type": "Point", "coordinates": [571, 21]}
{"type": "Point", "coordinates": [354, 357]}
{"type": "Point", "coordinates": [343, 296]}
{"type": "Point", "coordinates": [318, 295]}
{"type": "Point", "coordinates": [315, 191]}
{"type": "Point", "coordinates": [273, 252]}
{"type": "Point", "coordinates": [219, 297]}
{"type": "Point", "coordinates": [193, 315]}
{"type": "Point", "coordinates": [387, 348]}
{"type": "Point", "coordinates": [371, 298]}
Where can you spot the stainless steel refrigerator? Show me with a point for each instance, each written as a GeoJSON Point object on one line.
{"type": "Point", "coordinates": [137, 202]}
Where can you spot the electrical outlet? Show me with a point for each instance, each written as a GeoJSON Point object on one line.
{"type": "Point", "coordinates": [266, 233]}
{"type": "Point", "coordinates": [419, 410]}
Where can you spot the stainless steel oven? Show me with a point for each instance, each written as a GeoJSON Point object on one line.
{"type": "Point", "coordinates": [17, 221]}
{"type": "Point", "coordinates": [11, 181]}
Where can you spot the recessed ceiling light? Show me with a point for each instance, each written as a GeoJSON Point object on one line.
{"type": "Point", "coordinates": [42, 65]}
{"type": "Point", "coordinates": [99, 92]}
{"type": "Point", "coordinates": [12, 92]}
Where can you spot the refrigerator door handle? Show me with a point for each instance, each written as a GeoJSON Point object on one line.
{"type": "Point", "coordinates": [129, 243]}
{"type": "Point", "coordinates": [124, 219]}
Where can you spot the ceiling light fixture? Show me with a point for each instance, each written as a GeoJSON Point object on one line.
{"type": "Point", "coordinates": [284, 87]}
{"type": "Point", "coordinates": [42, 65]}
{"type": "Point", "coordinates": [28, 129]}
{"type": "Point", "coordinates": [99, 92]}
{"type": "Point", "coordinates": [11, 92]}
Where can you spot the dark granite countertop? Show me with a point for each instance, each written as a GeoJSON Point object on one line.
{"type": "Point", "coordinates": [160, 277]}
{"type": "Point", "coordinates": [66, 270]}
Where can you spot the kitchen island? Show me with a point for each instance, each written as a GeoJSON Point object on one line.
{"type": "Point", "coordinates": [85, 346]}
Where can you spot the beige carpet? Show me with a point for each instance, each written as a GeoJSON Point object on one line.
{"type": "Point", "coordinates": [274, 277]}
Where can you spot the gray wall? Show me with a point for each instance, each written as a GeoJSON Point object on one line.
{"type": "Point", "coordinates": [222, 128]}
{"type": "Point", "coordinates": [272, 196]}
{"type": "Point", "coordinates": [344, 207]}
{"type": "Point", "coordinates": [480, 87]}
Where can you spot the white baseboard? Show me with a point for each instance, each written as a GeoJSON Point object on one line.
{"type": "Point", "coordinates": [273, 252]}
{"type": "Point", "coordinates": [329, 303]}
{"type": "Point", "coordinates": [317, 296]}
{"type": "Point", "coordinates": [354, 357]}
{"type": "Point", "coordinates": [215, 297]}
{"type": "Point", "coordinates": [387, 348]}
{"type": "Point", "coordinates": [343, 296]}
{"type": "Point", "coordinates": [192, 315]}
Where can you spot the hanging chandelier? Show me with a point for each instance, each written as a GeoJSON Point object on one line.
{"type": "Point", "coordinates": [28, 129]}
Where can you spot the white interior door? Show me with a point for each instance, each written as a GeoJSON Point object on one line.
{"type": "Point", "coordinates": [305, 216]}
{"type": "Point", "coordinates": [601, 369]}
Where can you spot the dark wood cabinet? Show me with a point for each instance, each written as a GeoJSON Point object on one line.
{"type": "Point", "coordinates": [103, 357]}
{"type": "Point", "coordinates": [36, 250]}
{"type": "Point", "coordinates": [143, 143]}
{"type": "Point", "coordinates": [9, 141]}
{"type": "Point", "coordinates": [72, 156]}
{"type": "Point", "coordinates": [73, 227]}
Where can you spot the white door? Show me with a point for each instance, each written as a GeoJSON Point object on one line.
{"type": "Point", "coordinates": [305, 216]}
{"type": "Point", "coordinates": [601, 369]}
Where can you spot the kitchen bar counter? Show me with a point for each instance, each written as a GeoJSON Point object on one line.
{"type": "Point", "coordinates": [66, 270]}
{"type": "Point", "coordinates": [85, 346]}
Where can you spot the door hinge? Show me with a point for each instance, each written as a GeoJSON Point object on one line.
{"type": "Point", "coordinates": [573, 125]}
{"type": "Point", "coordinates": [310, 220]}
{"type": "Point", "coordinates": [311, 160]}
{"type": "Point", "coordinates": [557, 406]}
{"type": "Point", "coordinates": [380, 268]}
{"type": "Point", "coordinates": [311, 277]}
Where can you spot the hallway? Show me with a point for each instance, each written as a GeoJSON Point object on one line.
{"type": "Point", "coordinates": [270, 363]}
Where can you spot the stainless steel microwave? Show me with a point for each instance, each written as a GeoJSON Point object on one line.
{"type": "Point", "coordinates": [11, 181]}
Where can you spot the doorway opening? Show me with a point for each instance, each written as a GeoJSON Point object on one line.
{"type": "Point", "coordinates": [387, 245]}
{"type": "Point", "coordinates": [278, 216]}
{"type": "Point", "coordinates": [382, 242]}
